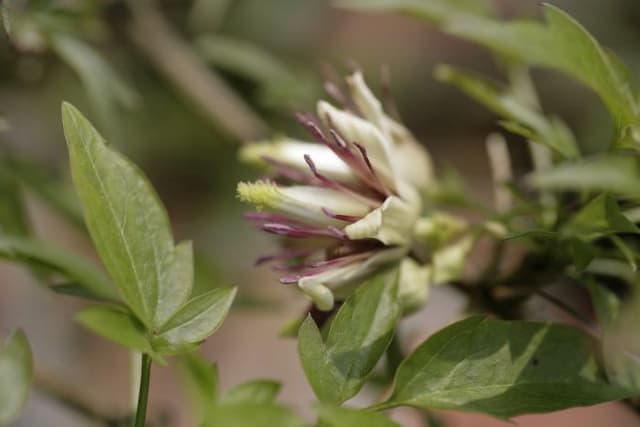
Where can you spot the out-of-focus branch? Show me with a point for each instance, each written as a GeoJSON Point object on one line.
{"type": "Point", "coordinates": [501, 171]}
{"type": "Point", "coordinates": [176, 61]}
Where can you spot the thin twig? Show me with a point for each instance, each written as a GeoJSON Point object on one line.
{"type": "Point", "coordinates": [565, 307]}
{"type": "Point", "coordinates": [176, 60]}
{"type": "Point", "coordinates": [501, 171]}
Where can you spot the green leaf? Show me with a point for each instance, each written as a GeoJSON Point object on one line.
{"type": "Point", "coordinates": [242, 58]}
{"type": "Point", "coordinates": [581, 252]}
{"type": "Point", "coordinates": [599, 217]}
{"type": "Point", "coordinates": [335, 416]}
{"type": "Point", "coordinates": [128, 225]}
{"type": "Point", "coordinates": [74, 268]}
{"type": "Point", "coordinates": [255, 391]}
{"type": "Point", "coordinates": [200, 379]}
{"type": "Point", "coordinates": [626, 251]}
{"type": "Point", "coordinates": [117, 325]}
{"type": "Point", "coordinates": [503, 369]}
{"type": "Point", "coordinates": [563, 44]}
{"type": "Point", "coordinates": [195, 321]}
{"type": "Point", "coordinates": [208, 15]}
{"type": "Point", "coordinates": [252, 415]}
{"type": "Point", "coordinates": [357, 338]}
{"type": "Point", "coordinates": [522, 119]}
{"type": "Point", "coordinates": [612, 173]}
{"type": "Point", "coordinates": [438, 11]}
{"type": "Point", "coordinates": [279, 84]}
{"type": "Point", "coordinates": [16, 375]}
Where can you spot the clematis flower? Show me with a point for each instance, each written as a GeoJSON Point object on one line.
{"type": "Point", "coordinates": [346, 204]}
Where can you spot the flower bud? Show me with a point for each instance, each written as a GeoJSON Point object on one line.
{"type": "Point", "coordinates": [414, 283]}
{"type": "Point", "coordinates": [449, 262]}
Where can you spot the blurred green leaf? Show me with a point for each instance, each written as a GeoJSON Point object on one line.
{"type": "Point", "coordinates": [613, 268]}
{"type": "Point", "coordinates": [208, 15]}
{"type": "Point", "coordinates": [335, 416]}
{"type": "Point", "coordinates": [563, 44]}
{"type": "Point", "coordinates": [196, 320]}
{"type": "Point", "coordinates": [504, 369]}
{"type": "Point", "coordinates": [77, 290]}
{"type": "Point", "coordinates": [34, 254]}
{"type": "Point", "coordinates": [21, 26]}
{"type": "Point", "coordinates": [200, 379]}
{"type": "Point", "coordinates": [12, 212]}
{"type": "Point", "coordinates": [252, 415]}
{"type": "Point", "coordinates": [522, 119]}
{"type": "Point", "coordinates": [128, 225]}
{"type": "Point", "coordinates": [599, 217]}
{"type": "Point", "coordinates": [627, 252]}
{"type": "Point", "coordinates": [611, 173]}
{"type": "Point", "coordinates": [279, 84]}
{"type": "Point", "coordinates": [582, 253]}
{"type": "Point", "coordinates": [106, 89]}
{"type": "Point", "coordinates": [54, 191]}
{"type": "Point", "coordinates": [242, 58]}
{"type": "Point", "coordinates": [438, 11]}
{"type": "Point", "coordinates": [16, 375]}
{"type": "Point", "coordinates": [357, 338]}
{"type": "Point", "coordinates": [117, 325]}
{"type": "Point", "coordinates": [254, 391]}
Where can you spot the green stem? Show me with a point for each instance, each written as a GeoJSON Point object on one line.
{"type": "Point", "coordinates": [143, 396]}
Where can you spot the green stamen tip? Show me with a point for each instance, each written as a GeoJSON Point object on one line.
{"type": "Point", "coordinates": [261, 194]}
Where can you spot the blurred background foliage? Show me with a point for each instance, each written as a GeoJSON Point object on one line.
{"type": "Point", "coordinates": [177, 85]}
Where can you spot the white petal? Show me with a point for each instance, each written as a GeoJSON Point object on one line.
{"type": "Point", "coordinates": [303, 203]}
{"type": "Point", "coordinates": [412, 163]}
{"type": "Point", "coordinates": [291, 152]}
{"type": "Point", "coordinates": [340, 279]}
{"type": "Point", "coordinates": [321, 295]}
{"type": "Point", "coordinates": [410, 160]}
{"type": "Point", "coordinates": [392, 223]}
{"type": "Point", "coordinates": [366, 102]}
{"type": "Point", "coordinates": [355, 129]}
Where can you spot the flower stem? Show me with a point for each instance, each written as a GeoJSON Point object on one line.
{"type": "Point", "coordinates": [143, 396]}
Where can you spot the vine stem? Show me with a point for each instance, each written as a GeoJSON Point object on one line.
{"type": "Point", "coordinates": [143, 395]}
